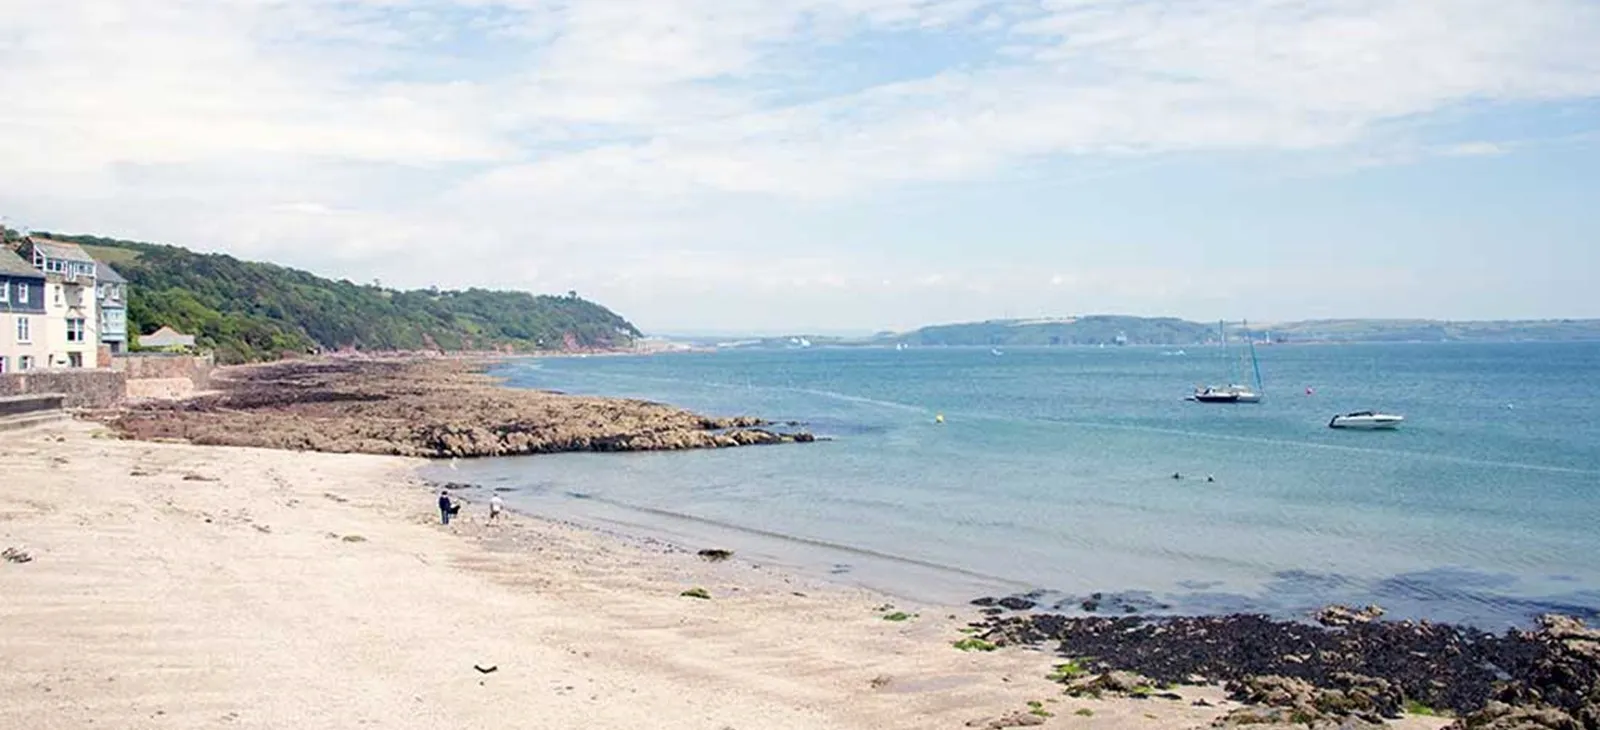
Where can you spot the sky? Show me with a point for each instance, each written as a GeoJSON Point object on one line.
{"type": "Point", "coordinates": [838, 165]}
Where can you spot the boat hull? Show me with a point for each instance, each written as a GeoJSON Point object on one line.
{"type": "Point", "coordinates": [1225, 395]}
{"type": "Point", "coordinates": [1365, 423]}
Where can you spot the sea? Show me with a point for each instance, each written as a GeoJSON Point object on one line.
{"type": "Point", "coordinates": [1061, 473]}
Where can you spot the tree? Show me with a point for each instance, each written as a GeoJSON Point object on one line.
{"type": "Point", "coordinates": [255, 311]}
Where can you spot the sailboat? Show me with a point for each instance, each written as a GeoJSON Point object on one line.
{"type": "Point", "coordinates": [1233, 392]}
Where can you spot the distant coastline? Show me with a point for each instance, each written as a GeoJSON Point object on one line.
{"type": "Point", "coordinates": [1121, 330]}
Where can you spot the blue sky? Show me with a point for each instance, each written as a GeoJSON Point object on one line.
{"type": "Point", "coordinates": [850, 165]}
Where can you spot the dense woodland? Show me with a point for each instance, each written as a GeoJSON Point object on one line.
{"type": "Point", "coordinates": [247, 311]}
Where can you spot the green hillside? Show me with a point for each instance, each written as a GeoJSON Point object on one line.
{"type": "Point", "coordinates": [247, 311]}
{"type": "Point", "coordinates": [1421, 330]}
{"type": "Point", "coordinates": [1089, 330]}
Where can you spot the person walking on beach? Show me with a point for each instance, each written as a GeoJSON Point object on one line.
{"type": "Point", "coordinates": [444, 507]}
{"type": "Point", "coordinates": [495, 505]}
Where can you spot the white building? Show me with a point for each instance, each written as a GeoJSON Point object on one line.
{"type": "Point", "coordinates": [72, 339]}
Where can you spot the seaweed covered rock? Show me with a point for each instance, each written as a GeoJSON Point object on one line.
{"type": "Point", "coordinates": [1114, 682]}
{"type": "Point", "coordinates": [1368, 699]}
{"type": "Point", "coordinates": [1559, 688]}
{"type": "Point", "coordinates": [1501, 716]}
{"type": "Point", "coordinates": [1446, 667]}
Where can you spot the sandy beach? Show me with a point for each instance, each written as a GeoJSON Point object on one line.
{"type": "Point", "coordinates": [179, 586]}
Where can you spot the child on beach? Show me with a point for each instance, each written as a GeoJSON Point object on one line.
{"type": "Point", "coordinates": [495, 505]}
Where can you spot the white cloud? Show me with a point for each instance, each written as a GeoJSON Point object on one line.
{"type": "Point", "coordinates": [1475, 149]}
{"type": "Point", "coordinates": [669, 146]}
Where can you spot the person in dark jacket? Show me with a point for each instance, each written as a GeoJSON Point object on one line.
{"type": "Point", "coordinates": [445, 508]}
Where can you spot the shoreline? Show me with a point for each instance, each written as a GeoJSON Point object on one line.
{"type": "Point", "coordinates": [253, 573]}
{"type": "Point", "coordinates": [1338, 666]}
{"type": "Point", "coordinates": [315, 590]}
{"type": "Point", "coordinates": [1121, 661]}
{"type": "Point", "coordinates": [580, 488]}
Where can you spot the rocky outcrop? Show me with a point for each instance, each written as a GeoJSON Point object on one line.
{"type": "Point", "coordinates": [1366, 700]}
{"type": "Point", "coordinates": [1501, 716]}
{"type": "Point", "coordinates": [1339, 615]}
{"type": "Point", "coordinates": [426, 408]}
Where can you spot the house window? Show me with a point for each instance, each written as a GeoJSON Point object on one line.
{"type": "Point", "coordinates": [24, 331]}
{"type": "Point", "coordinates": [5, 291]}
{"type": "Point", "coordinates": [22, 292]}
{"type": "Point", "coordinates": [74, 359]}
{"type": "Point", "coordinates": [75, 330]}
{"type": "Point", "coordinates": [2, 364]}
{"type": "Point", "coordinates": [24, 363]}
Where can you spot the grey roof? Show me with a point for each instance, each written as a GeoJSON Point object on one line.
{"type": "Point", "coordinates": [108, 274]}
{"type": "Point", "coordinates": [13, 265]}
{"type": "Point", "coordinates": [62, 250]}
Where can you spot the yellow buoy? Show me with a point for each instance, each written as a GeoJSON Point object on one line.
{"type": "Point", "coordinates": [938, 418]}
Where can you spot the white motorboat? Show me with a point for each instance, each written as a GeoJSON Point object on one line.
{"type": "Point", "coordinates": [1366, 421]}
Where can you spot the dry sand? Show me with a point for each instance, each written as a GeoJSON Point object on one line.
{"type": "Point", "coordinates": [179, 586]}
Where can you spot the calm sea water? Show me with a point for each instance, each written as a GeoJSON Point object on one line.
{"type": "Point", "coordinates": [1053, 473]}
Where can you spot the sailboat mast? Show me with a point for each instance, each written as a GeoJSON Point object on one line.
{"type": "Point", "coordinates": [1227, 356]}
{"type": "Point", "coordinates": [1255, 365]}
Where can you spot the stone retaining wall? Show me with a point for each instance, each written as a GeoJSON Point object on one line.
{"type": "Point", "coordinates": [22, 405]}
{"type": "Point", "coordinates": [83, 388]}
{"type": "Point", "coordinates": [160, 366]}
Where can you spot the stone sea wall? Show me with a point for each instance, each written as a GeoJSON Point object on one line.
{"type": "Point", "coordinates": [82, 388]}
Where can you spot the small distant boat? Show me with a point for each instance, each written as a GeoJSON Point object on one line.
{"type": "Point", "coordinates": [899, 346]}
{"type": "Point", "coordinates": [996, 352]}
{"type": "Point", "coordinates": [1366, 421]}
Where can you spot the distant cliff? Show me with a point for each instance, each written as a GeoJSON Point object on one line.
{"type": "Point", "coordinates": [249, 311]}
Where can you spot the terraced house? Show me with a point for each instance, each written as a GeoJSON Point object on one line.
{"type": "Point", "coordinates": [111, 292]}
{"type": "Point", "coordinates": [71, 302]}
{"type": "Point", "coordinates": [23, 338]}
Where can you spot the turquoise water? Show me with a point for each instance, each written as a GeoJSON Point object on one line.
{"type": "Point", "coordinates": [1053, 473]}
